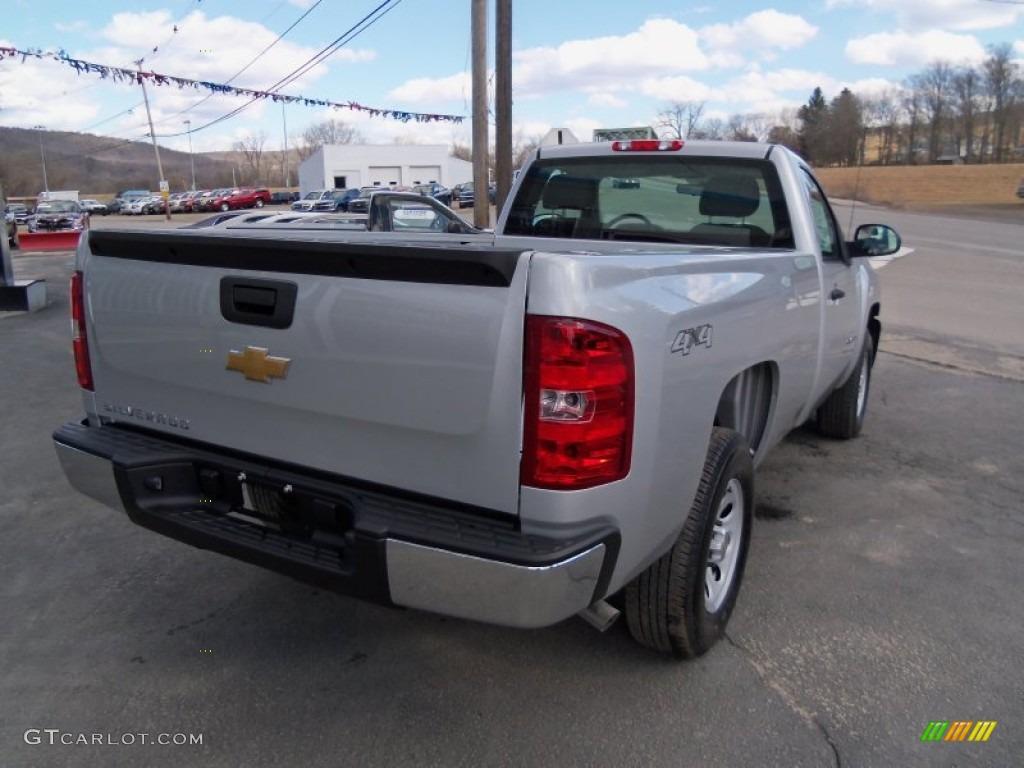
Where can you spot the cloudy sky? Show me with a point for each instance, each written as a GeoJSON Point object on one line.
{"type": "Point", "coordinates": [579, 65]}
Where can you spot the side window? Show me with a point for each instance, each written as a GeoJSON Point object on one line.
{"type": "Point", "coordinates": [824, 222]}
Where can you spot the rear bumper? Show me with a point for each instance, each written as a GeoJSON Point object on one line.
{"type": "Point", "coordinates": [372, 543]}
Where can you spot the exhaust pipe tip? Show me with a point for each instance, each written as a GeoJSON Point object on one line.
{"type": "Point", "coordinates": [600, 615]}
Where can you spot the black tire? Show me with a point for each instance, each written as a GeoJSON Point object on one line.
{"type": "Point", "coordinates": [669, 607]}
{"type": "Point", "coordinates": [259, 202]}
{"type": "Point", "coordinates": [842, 415]}
{"type": "Point", "coordinates": [225, 207]}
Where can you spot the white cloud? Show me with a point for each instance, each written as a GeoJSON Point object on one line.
{"type": "Point", "coordinates": [949, 14]}
{"type": "Point", "coordinates": [766, 88]}
{"type": "Point", "coordinates": [679, 88]}
{"type": "Point", "coordinates": [762, 33]}
{"type": "Point", "coordinates": [583, 127]}
{"type": "Point", "coordinates": [871, 87]}
{"type": "Point", "coordinates": [904, 49]}
{"type": "Point", "coordinates": [420, 90]}
{"type": "Point", "coordinates": [659, 46]}
{"type": "Point", "coordinates": [44, 92]}
{"type": "Point", "coordinates": [69, 27]}
{"type": "Point", "coordinates": [601, 67]}
{"type": "Point", "coordinates": [606, 99]}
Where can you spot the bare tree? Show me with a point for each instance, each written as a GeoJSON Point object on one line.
{"type": "Point", "coordinates": [967, 88]}
{"type": "Point", "coordinates": [462, 152]}
{"type": "Point", "coordinates": [328, 132]}
{"type": "Point", "coordinates": [786, 129]}
{"type": "Point", "coordinates": [251, 148]}
{"type": "Point", "coordinates": [935, 85]}
{"type": "Point", "coordinates": [1002, 77]}
{"type": "Point", "coordinates": [681, 119]}
{"type": "Point", "coordinates": [882, 115]}
{"type": "Point", "coordinates": [522, 147]}
{"type": "Point", "coordinates": [713, 129]}
{"type": "Point", "coordinates": [738, 128]}
{"type": "Point", "coordinates": [912, 107]}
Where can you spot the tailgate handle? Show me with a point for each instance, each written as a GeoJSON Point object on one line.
{"type": "Point", "coordinates": [253, 301]}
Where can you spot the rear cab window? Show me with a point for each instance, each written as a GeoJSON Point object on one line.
{"type": "Point", "coordinates": [700, 200]}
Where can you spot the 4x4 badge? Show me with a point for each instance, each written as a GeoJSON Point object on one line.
{"type": "Point", "coordinates": [257, 365]}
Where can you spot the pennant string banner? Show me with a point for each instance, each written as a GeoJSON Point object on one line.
{"type": "Point", "coordinates": [120, 74]}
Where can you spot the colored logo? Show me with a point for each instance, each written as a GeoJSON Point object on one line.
{"type": "Point", "coordinates": [958, 730]}
{"type": "Point", "coordinates": [257, 365]}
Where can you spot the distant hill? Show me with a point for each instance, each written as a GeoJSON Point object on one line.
{"type": "Point", "coordinates": [99, 165]}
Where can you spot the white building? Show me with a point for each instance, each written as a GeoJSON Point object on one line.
{"type": "Point", "coordinates": [345, 166]}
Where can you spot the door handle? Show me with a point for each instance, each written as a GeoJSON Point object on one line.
{"type": "Point", "coordinates": [837, 294]}
{"type": "Point", "coordinates": [260, 302]}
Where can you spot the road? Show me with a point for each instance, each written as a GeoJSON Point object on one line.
{"type": "Point", "coordinates": [958, 298]}
{"type": "Point", "coordinates": [881, 593]}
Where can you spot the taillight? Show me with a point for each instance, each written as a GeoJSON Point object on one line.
{"type": "Point", "coordinates": [78, 339]}
{"type": "Point", "coordinates": [648, 145]}
{"type": "Point", "coordinates": [578, 401]}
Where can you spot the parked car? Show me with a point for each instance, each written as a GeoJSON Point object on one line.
{"type": "Point", "coordinates": [463, 195]}
{"type": "Point", "coordinates": [124, 198]}
{"type": "Point", "coordinates": [18, 212]}
{"type": "Point", "coordinates": [209, 199]}
{"type": "Point", "coordinates": [133, 207]}
{"type": "Point", "coordinates": [52, 215]}
{"type": "Point", "coordinates": [439, 192]}
{"type": "Point", "coordinates": [155, 204]}
{"type": "Point", "coordinates": [242, 197]}
{"type": "Point", "coordinates": [308, 200]}
{"type": "Point", "coordinates": [176, 202]}
{"type": "Point", "coordinates": [361, 202]}
{"type": "Point", "coordinates": [91, 206]}
{"type": "Point", "coordinates": [125, 204]}
{"type": "Point", "coordinates": [283, 198]}
{"type": "Point", "coordinates": [337, 200]}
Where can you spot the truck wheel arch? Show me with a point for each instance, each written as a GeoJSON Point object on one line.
{"type": "Point", "coordinates": [748, 402]}
{"type": "Point", "coordinates": [875, 328]}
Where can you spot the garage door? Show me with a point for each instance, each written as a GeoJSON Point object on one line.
{"type": "Point", "coordinates": [384, 175]}
{"type": "Point", "coordinates": [424, 174]}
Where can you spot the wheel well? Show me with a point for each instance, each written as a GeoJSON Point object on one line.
{"type": "Point", "coordinates": [747, 401]}
{"type": "Point", "coordinates": [875, 326]}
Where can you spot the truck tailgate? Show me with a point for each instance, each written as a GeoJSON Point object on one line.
{"type": "Point", "coordinates": [402, 368]}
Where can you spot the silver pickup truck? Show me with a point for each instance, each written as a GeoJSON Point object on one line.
{"type": "Point", "coordinates": [559, 417]}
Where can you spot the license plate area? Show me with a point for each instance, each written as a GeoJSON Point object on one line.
{"type": "Point", "coordinates": [250, 494]}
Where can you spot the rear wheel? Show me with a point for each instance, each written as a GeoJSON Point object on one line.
{"type": "Point", "coordinates": [842, 415]}
{"type": "Point", "coordinates": [259, 202]}
{"type": "Point", "coordinates": [682, 602]}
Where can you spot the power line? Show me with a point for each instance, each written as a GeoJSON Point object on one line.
{"type": "Point", "coordinates": [239, 72]}
{"type": "Point", "coordinates": [350, 34]}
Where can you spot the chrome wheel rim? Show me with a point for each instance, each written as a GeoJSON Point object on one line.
{"type": "Point", "coordinates": [723, 553]}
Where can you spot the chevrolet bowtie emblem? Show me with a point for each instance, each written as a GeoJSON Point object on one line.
{"type": "Point", "coordinates": [257, 365]}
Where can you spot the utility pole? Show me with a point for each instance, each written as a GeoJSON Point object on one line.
{"type": "Point", "coordinates": [42, 157]}
{"type": "Point", "coordinates": [481, 203]}
{"type": "Point", "coordinates": [503, 102]}
{"type": "Point", "coordinates": [164, 188]}
{"type": "Point", "coordinates": [284, 122]}
{"type": "Point", "coordinates": [191, 157]}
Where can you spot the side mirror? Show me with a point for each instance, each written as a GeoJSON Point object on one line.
{"type": "Point", "coordinates": [875, 240]}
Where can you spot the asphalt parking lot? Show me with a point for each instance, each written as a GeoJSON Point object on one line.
{"type": "Point", "coordinates": [881, 592]}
